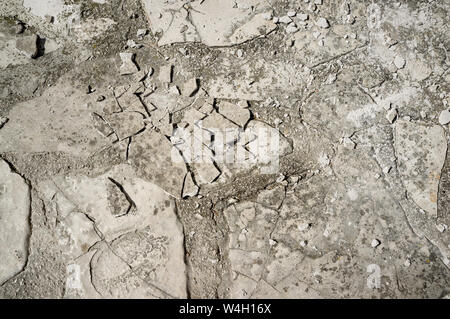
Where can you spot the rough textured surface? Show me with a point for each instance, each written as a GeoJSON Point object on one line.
{"type": "Point", "coordinates": [214, 22]}
{"type": "Point", "coordinates": [15, 222]}
{"type": "Point", "coordinates": [421, 153]}
{"type": "Point", "coordinates": [224, 148]}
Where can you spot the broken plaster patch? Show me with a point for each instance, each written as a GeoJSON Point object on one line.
{"type": "Point", "coordinates": [212, 22]}
{"type": "Point", "coordinates": [44, 8]}
{"type": "Point", "coordinates": [421, 152]}
{"type": "Point", "coordinates": [145, 246]}
{"type": "Point", "coordinates": [14, 222]}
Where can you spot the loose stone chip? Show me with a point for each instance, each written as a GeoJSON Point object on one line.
{"type": "Point", "coordinates": [399, 62]}
{"type": "Point", "coordinates": [285, 20]}
{"type": "Point", "coordinates": [141, 33]}
{"type": "Point", "coordinates": [444, 117]}
{"type": "Point", "coordinates": [131, 102]}
{"type": "Point", "coordinates": [101, 125]}
{"type": "Point", "coordinates": [157, 160]}
{"type": "Point", "coordinates": [442, 227]}
{"type": "Point", "coordinates": [391, 115]}
{"type": "Point", "coordinates": [165, 73]}
{"type": "Point", "coordinates": [14, 226]}
{"type": "Point", "coordinates": [119, 90]}
{"type": "Point", "coordinates": [126, 124]}
{"type": "Point", "coordinates": [217, 122]}
{"type": "Point", "coordinates": [407, 263]}
{"type": "Point", "coordinates": [3, 121]}
{"type": "Point", "coordinates": [118, 201]}
{"type": "Point", "coordinates": [190, 189]}
{"type": "Point", "coordinates": [421, 151]}
{"type": "Point", "coordinates": [348, 143]}
{"type": "Point", "coordinates": [128, 66]}
{"type": "Point", "coordinates": [303, 16]}
{"type": "Point", "coordinates": [207, 172]}
{"type": "Point", "coordinates": [291, 28]}
{"type": "Point", "coordinates": [28, 45]}
{"type": "Point", "coordinates": [190, 87]}
{"type": "Point", "coordinates": [375, 243]}
{"type": "Point", "coordinates": [234, 113]}
{"type": "Point", "coordinates": [323, 23]}
{"type": "Point", "coordinates": [140, 76]}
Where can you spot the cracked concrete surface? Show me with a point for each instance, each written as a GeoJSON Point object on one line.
{"type": "Point", "coordinates": [323, 132]}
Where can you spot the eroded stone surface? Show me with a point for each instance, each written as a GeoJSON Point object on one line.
{"type": "Point", "coordinates": [149, 258]}
{"type": "Point", "coordinates": [214, 23]}
{"type": "Point", "coordinates": [53, 125]}
{"type": "Point", "coordinates": [347, 200]}
{"type": "Point", "coordinates": [156, 160]}
{"type": "Point", "coordinates": [128, 66]}
{"type": "Point", "coordinates": [250, 226]}
{"type": "Point", "coordinates": [28, 46]}
{"type": "Point", "coordinates": [14, 222]}
{"type": "Point", "coordinates": [234, 113]}
{"type": "Point", "coordinates": [125, 124]}
{"type": "Point", "coordinates": [421, 152]}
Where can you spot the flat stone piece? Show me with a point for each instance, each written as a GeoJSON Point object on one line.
{"type": "Point", "coordinates": [190, 189]}
{"type": "Point", "coordinates": [212, 22]}
{"type": "Point", "coordinates": [234, 113]}
{"type": "Point", "coordinates": [14, 222]}
{"type": "Point", "coordinates": [444, 117]}
{"type": "Point", "coordinates": [215, 122]}
{"type": "Point", "coordinates": [272, 197]}
{"type": "Point", "coordinates": [190, 87]}
{"type": "Point", "coordinates": [165, 73]}
{"type": "Point", "coordinates": [28, 45]}
{"type": "Point", "coordinates": [142, 254]}
{"type": "Point", "coordinates": [421, 152]}
{"type": "Point", "coordinates": [125, 124]}
{"type": "Point", "coordinates": [207, 172]}
{"type": "Point", "coordinates": [128, 66]}
{"type": "Point", "coordinates": [158, 161]}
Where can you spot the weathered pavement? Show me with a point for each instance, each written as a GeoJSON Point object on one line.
{"type": "Point", "coordinates": [323, 127]}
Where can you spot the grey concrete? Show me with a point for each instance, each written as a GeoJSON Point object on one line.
{"type": "Point", "coordinates": [102, 195]}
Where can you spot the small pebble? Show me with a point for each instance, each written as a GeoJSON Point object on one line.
{"type": "Point", "coordinates": [3, 121]}
{"type": "Point", "coordinates": [303, 16]}
{"type": "Point", "coordinates": [399, 62]}
{"type": "Point", "coordinates": [323, 23]}
{"type": "Point", "coordinates": [291, 28]}
{"type": "Point", "coordinates": [348, 143]}
{"type": "Point", "coordinates": [267, 15]}
{"type": "Point", "coordinates": [375, 243]}
{"type": "Point", "coordinates": [444, 117]}
{"type": "Point", "coordinates": [391, 115]}
{"type": "Point", "coordinates": [442, 227]}
{"type": "Point", "coordinates": [312, 7]}
{"type": "Point", "coordinates": [141, 32]}
{"type": "Point", "coordinates": [303, 226]}
{"type": "Point", "coordinates": [285, 20]}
